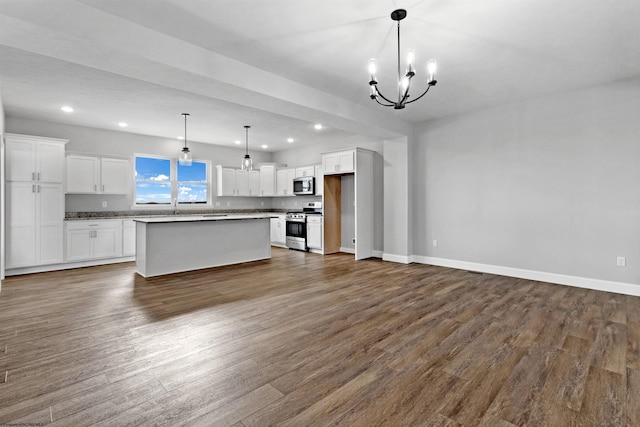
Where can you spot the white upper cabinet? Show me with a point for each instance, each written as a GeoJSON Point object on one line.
{"type": "Point", "coordinates": [303, 171]}
{"type": "Point", "coordinates": [284, 182]}
{"type": "Point", "coordinates": [338, 162]}
{"type": "Point", "coordinates": [93, 175]}
{"type": "Point", "coordinates": [254, 183]}
{"type": "Point", "coordinates": [226, 178]}
{"type": "Point", "coordinates": [114, 176]}
{"type": "Point", "coordinates": [319, 180]}
{"type": "Point", "coordinates": [32, 158]}
{"type": "Point", "coordinates": [267, 180]}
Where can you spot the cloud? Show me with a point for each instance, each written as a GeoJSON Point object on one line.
{"type": "Point", "coordinates": [160, 177]}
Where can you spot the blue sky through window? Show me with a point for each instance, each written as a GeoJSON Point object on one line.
{"type": "Point", "coordinates": [154, 184]}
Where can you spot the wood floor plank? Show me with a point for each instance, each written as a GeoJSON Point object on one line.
{"type": "Point", "coordinates": [305, 339]}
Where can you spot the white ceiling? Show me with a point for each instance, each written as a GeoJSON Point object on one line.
{"type": "Point", "coordinates": [281, 65]}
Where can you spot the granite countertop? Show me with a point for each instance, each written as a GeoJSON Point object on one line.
{"type": "Point", "coordinates": [199, 218]}
{"type": "Point", "coordinates": [79, 216]}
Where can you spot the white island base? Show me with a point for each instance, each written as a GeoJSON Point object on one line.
{"type": "Point", "coordinates": [174, 244]}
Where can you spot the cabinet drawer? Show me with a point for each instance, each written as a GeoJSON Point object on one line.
{"type": "Point", "coordinates": [314, 219]}
{"type": "Point", "coordinates": [92, 225]}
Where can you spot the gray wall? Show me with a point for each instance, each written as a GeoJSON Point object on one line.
{"type": "Point", "coordinates": [549, 184]}
{"type": "Point", "coordinates": [122, 144]}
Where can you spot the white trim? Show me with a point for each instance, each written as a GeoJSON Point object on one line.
{"type": "Point", "coordinates": [67, 266]}
{"type": "Point", "coordinates": [378, 254]}
{"type": "Point", "coordinates": [348, 250]}
{"type": "Point", "coordinates": [541, 276]}
{"type": "Point", "coordinates": [403, 259]}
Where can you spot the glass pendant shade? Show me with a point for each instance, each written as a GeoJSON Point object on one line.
{"type": "Point", "coordinates": [185, 157]}
{"type": "Point", "coordinates": [247, 163]}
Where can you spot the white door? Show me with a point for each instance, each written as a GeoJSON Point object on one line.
{"type": "Point", "coordinates": [267, 180]}
{"type": "Point", "coordinates": [106, 243]}
{"type": "Point", "coordinates": [114, 176]}
{"type": "Point", "coordinates": [50, 162]}
{"type": "Point", "coordinates": [79, 244]}
{"type": "Point", "coordinates": [254, 183]}
{"type": "Point", "coordinates": [20, 160]}
{"type": "Point", "coordinates": [50, 217]}
{"type": "Point", "coordinates": [83, 174]}
{"type": "Point", "coordinates": [242, 183]}
{"type": "Point", "coordinates": [314, 234]}
{"type": "Point", "coordinates": [20, 224]}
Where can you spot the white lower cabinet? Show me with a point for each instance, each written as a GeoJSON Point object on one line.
{"type": "Point", "coordinates": [86, 240]}
{"type": "Point", "coordinates": [35, 213]}
{"type": "Point", "coordinates": [278, 231]}
{"type": "Point", "coordinates": [128, 237]}
{"type": "Point", "coordinates": [314, 232]}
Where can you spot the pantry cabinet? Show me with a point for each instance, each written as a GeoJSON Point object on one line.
{"type": "Point", "coordinates": [34, 200]}
{"type": "Point", "coordinates": [338, 162]}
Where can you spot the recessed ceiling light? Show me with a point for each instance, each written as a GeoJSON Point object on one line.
{"type": "Point", "coordinates": [265, 146]}
{"type": "Point", "coordinates": [66, 109]}
{"type": "Point", "coordinates": [289, 140]}
{"type": "Point", "coordinates": [318, 126]}
{"type": "Point", "coordinates": [237, 142]}
{"type": "Point", "coordinates": [123, 124]}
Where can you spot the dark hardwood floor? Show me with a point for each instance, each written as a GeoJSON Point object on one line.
{"type": "Point", "coordinates": [305, 340]}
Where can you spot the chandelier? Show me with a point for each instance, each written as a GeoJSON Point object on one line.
{"type": "Point", "coordinates": [404, 82]}
{"type": "Point", "coordinates": [185, 158]}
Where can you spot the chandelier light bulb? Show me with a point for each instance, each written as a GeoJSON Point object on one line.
{"type": "Point", "coordinates": [431, 70]}
{"type": "Point", "coordinates": [373, 68]}
{"type": "Point", "coordinates": [411, 60]}
{"type": "Point", "coordinates": [404, 83]}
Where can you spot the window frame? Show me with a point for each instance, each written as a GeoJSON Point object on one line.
{"type": "Point", "coordinates": [173, 183]}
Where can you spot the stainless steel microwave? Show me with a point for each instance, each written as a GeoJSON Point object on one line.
{"type": "Point", "coordinates": [304, 186]}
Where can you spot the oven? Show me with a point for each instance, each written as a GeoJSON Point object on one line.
{"type": "Point", "coordinates": [296, 230]}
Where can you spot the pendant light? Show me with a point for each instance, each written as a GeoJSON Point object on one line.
{"type": "Point", "coordinates": [185, 158]}
{"type": "Point", "coordinates": [247, 164]}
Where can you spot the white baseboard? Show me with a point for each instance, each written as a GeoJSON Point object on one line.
{"type": "Point", "coordinates": [348, 250]}
{"type": "Point", "coordinates": [541, 276]}
{"type": "Point", "coordinates": [66, 266]}
{"type": "Point", "coordinates": [403, 259]}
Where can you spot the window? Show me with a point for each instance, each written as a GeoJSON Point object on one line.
{"type": "Point", "coordinates": [160, 180]}
{"type": "Point", "coordinates": [192, 183]}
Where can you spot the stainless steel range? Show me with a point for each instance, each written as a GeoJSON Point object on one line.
{"type": "Point", "coordinates": [296, 229]}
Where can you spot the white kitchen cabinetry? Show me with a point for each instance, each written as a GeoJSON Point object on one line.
{"type": "Point", "coordinates": [34, 200]}
{"type": "Point", "coordinates": [93, 175]}
{"type": "Point", "coordinates": [34, 158]}
{"type": "Point", "coordinates": [88, 240]}
{"type": "Point", "coordinates": [237, 182]}
{"type": "Point", "coordinates": [128, 237]}
{"type": "Point", "coordinates": [35, 215]}
{"type": "Point", "coordinates": [338, 162]}
{"type": "Point", "coordinates": [267, 180]}
{"type": "Point", "coordinates": [278, 231]}
{"type": "Point", "coordinates": [319, 179]}
{"type": "Point", "coordinates": [226, 181]}
{"type": "Point", "coordinates": [302, 171]}
{"type": "Point", "coordinates": [284, 182]}
{"type": "Point", "coordinates": [314, 232]}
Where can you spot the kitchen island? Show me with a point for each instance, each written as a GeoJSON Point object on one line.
{"type": "Point", "coordinates": [173, 244]}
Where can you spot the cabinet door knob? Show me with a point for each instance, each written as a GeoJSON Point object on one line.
{"type": "Point", "coordinates": [33, 176]}
{"type": "Point", "coordinates": [38, 176]}
{"type": "Point", "coordinates": [33, 188]}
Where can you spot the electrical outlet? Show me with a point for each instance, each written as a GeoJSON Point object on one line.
{"type": "Point", "coordinates": [621, 261]}
{"type": "Point", "coordinates": [261, 203]}
{"type": "Point", "coordinates": [228, 203]}
{"type": "Point", "coordinates": [104, 204]}
{"type": "Point", "coordinates": [435, 243]}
